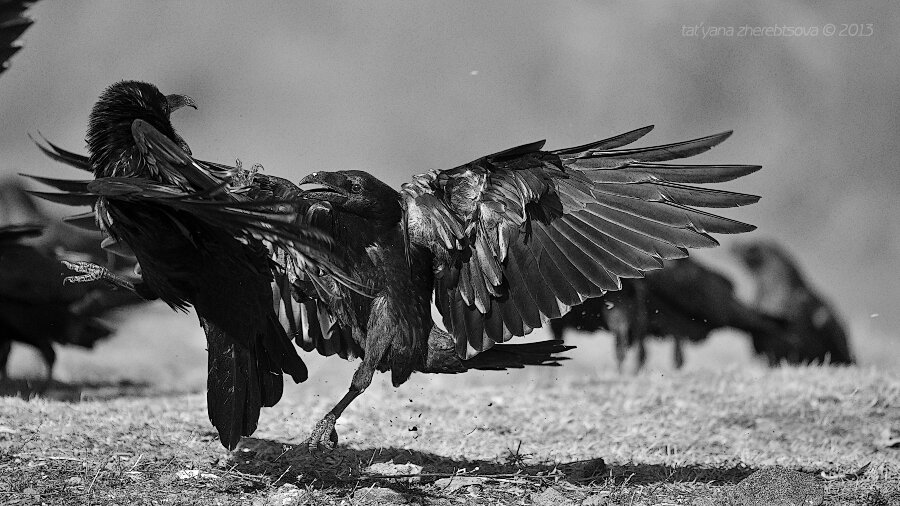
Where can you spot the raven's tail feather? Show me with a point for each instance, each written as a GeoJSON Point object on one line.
{"type": "Point", "coordinates": [234, 393]}
{"type": "Point", "coordinates": [443, 359]}
{"type": "Point", "coordinates": [517, 356]}
{"type": "Point", "coordinates": [242, 380]}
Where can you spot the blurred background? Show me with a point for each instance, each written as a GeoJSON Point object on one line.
{"type": "Point", "coordinates": [396, 88]}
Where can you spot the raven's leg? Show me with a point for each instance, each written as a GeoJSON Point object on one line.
{"type": "Point", "coordinates": [49, 355]}
{"type": "Point", "coordinates": [622, 345]}
{"type": "Point", "coordinates": [376, 344]}
{"type": "Point", "coordinates": [642, 356]}
{"type": "Point", "coordinates": [679, 353]}
{"type": "Point", "coordinates": [324, 433]}
{"type": "Point", "coordinates": [93, 272]}
{"type": "Point", "coordinates": [5, 350]}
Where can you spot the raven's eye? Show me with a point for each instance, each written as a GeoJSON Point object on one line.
{"type": "Point", "coordinates": [356, 188]}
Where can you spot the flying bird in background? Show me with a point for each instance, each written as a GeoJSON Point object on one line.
{"type": "Point", "coordinates": [501, 244]}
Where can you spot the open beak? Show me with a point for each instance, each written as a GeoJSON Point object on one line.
{"type": "Point", "coordinates": [326, 186]}
{"type": "Point", "coordinates": [178, 101]}
{"type": "Point", "coordinates": [329, 182]}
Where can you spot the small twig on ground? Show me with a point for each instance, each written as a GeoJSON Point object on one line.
{"type": "Point", "coordinates": [97, 474]}
{"type": "Point", "coordinates": [136, 462]}
{"type": "Point", "coordinates": [246, 476]}
{"type": "Point", "coordinates": [281, 476]}
{"type": "Point", "coordinates": [846, 476]}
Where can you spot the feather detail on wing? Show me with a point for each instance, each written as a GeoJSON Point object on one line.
{"type": "Point", "coordinates": [176, 167]}
{"type": "Point", "coordinates": [312, 306]}
{"type": "Point", "coordinates": [523, 235]}
{"type": "Point", "coordinates": [244, 202]}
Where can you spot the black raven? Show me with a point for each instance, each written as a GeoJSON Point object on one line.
{"type": "Point", "coordinates": [35, 307]}
{"type": "Point", "coordinates": [508, 241]}
{"type": "Point", "coordinates": [504, 243]}
{"type": "Point", "coordinates": [814, 330]}
{"type": "Point", "coordinates": [685, 300]}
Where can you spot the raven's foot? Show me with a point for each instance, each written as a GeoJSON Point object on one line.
{"type": "Point", "coordinates": [93, 272]}
{"type": "Point", "coordinates": [323, 436]}
{"type": "Point", "coordinates": [89, 272]}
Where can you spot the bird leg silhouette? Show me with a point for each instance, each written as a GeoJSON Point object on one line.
{"type": "Point", "coordinates": [93, 272]}
{"type": "Point", "coordinates": [324, 435]}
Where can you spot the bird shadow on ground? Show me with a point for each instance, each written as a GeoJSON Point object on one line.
{"type": "Point", "coordinates": [273, 460]}
{"type": "Point", "coordinates": [71, 392]}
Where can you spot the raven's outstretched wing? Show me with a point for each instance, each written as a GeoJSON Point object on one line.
{"type": "Point", "coordinates": [272, 221]}
{"type": "Point", "coordinates": [523, 235]}
{"type": "Point", "coordinates": [273, 209]}
{"type": "Point", "coordinates": [226, 197]}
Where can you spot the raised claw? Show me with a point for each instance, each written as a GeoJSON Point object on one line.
{"type": "Point", "coordinates": [90, 272]}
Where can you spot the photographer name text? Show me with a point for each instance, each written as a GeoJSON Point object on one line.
{"type": "Point", "coordinates": [703, 31]}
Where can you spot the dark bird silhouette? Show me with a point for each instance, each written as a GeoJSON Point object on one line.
{"type": "Point", "coordinates": [13, 24]}
{"type": "Point", "coordinates": [198, 243]}
{"type": "Point", "coordinates": [814, 332]}
{"type": "Point", "coordinates": [37, 309]}
{"type": "Point", "coordinates": [504, 243]}
{"type": "Point", "coordinates": [685, 300]}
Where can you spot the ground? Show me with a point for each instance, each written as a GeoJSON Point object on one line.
{"type": "Point", "coordinates": [128, 425]}
{"type": "Point", "coordinates": [666, 439]}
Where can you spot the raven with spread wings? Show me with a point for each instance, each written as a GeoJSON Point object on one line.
{"type": "Point", "coordinates": [501, 244]}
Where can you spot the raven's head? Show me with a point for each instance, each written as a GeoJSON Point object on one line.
{"type": "Point", "coordinates": [356, 192]}
{"type": "Point", "coordinates": [766, 256]}
{"type": "Point", "coordinates": [109, 138]}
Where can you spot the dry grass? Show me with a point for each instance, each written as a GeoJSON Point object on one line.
{"type": "Point", "coordinates": [666, 439]}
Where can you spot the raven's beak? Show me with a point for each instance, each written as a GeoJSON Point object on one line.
{"type": "Point", "coordinates": [176, 102]}
{"type": "Point", "coordinates": [329, 180]}
{"type": "Point", "coordinates": [327, 186]}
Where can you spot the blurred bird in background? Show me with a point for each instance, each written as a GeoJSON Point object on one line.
{"type": "Point", "coordinates": [685, 300]}
{"type": "Point", "coordinates": [35, 307]}
{"type": "Point", "coordinates": [815, 333]}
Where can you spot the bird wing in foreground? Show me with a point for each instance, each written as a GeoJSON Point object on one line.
{"type": "Point", "coordinates": [523, 235]}
{"type": "Point", "coordinates": [12, 25]}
